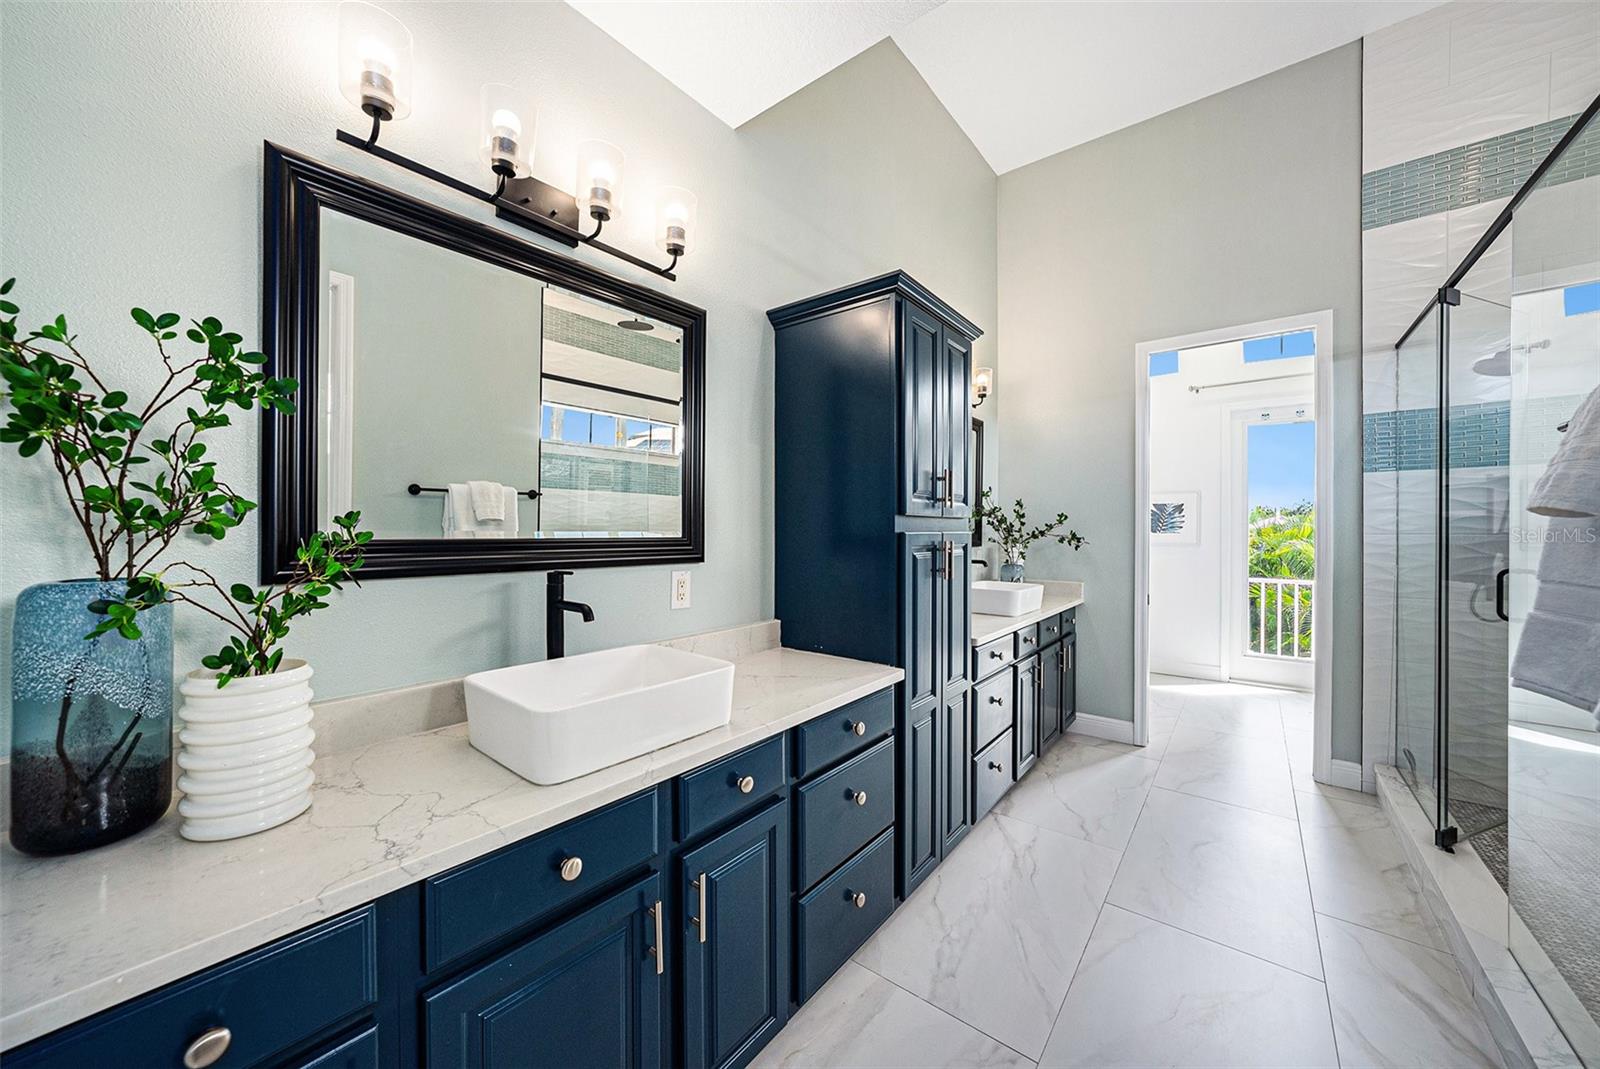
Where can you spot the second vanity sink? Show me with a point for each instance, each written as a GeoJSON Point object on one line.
{"type": "Point", "coordinates": [994, 598]}
{"type": "Point", "coordinates": [552, 721]}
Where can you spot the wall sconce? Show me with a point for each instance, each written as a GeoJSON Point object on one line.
{"type": "Point", "coordinates": [982, 385]}
{"type": "Point", "coordinates": [374, 62]}
{"type": "Point", "coordinates": [375, 76]}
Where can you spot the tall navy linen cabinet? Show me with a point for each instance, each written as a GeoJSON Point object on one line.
{"type": "Point", "coordinates": [875, 490]}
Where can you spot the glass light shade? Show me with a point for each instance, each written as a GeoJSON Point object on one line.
{"type": "Point", "coordinates": [599, 179]}
{"type": "Point", "coordinates": [676, 208]}
{"type": "Point", "coordinates": [982, 383]}
{"type": "Point", "coordinates": [374, 60]}
{"type": "Point", "coordinates": [509, 129]}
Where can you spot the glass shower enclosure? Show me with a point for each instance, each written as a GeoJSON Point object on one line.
{"type": "Point", "coordinates": [1497, 613]}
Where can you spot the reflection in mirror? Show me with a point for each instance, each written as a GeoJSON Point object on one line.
{"type": "Point", "coordinates": [461, 399]}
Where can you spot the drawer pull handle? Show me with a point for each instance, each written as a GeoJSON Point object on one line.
{"type": "Point", "coordinates": [997, 766]}
{"type": "Point", "coordinates": [746, 784]}
{"type": "Point", "coordinates": [207, 1048]}
{"type": "Point", "coordinates": [995, 655]}
{"type": "Point", "coordinates": [859, 898]}
{"type": "Point", "coordinates": [1028, 640]}
{"type": "Point", "coordinates": [995, 699]}
{"type": "Point", "coordinates": [571, 868]}
{"type": "Point", "coordinates": [856, 727]}
{"type": "Point", "coordinates": [700, 921]}
{"type": "Point", "coordinates": [659, 951]}
{"type": "Point", "coordinates": [860, 797]}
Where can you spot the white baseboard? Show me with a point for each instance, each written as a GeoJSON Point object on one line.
{"type": "Point", "coordinates": [1346, 774]}
{"type": "Point", "coordinates": [1103, 727]}
{"type": "Point", "coordinates": [1187, 670]}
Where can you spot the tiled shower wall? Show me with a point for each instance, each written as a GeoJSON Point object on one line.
{"type": "Point", "coordinates": [1459, 105]}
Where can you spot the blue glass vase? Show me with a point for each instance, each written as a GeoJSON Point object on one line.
{"type": "Point", "coordinates": [91, 720]}
{"type": "Point", "coordinates": [1011, 571]}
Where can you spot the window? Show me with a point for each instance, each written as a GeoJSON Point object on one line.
{"type": "Point", "coordinates": [1280, 346]}
{"type": "Point", "coordinates": [1164, 363]}
{"type": "Point", "coordinates": [566, 423]}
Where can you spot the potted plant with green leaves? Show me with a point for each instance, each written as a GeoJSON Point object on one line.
{"type": "Point", "coordinates": [1011, 530]}
{"type": "Point", "coordinates": [91, 723]}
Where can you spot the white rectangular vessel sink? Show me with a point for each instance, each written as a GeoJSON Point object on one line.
{"type": "Point", "coordinates": [552, 721]}
{"type": "Point", "coordinates": [994, 598]}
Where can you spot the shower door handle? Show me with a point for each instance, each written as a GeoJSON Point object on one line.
{"type": "Point", "coordinates": [1500, 593]}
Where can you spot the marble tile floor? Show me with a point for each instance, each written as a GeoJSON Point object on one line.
{"type": "Point", "coordinates": [1197, 902]}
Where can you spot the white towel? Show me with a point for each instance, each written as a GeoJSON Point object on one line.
{"type": "Point", "coordinates": [461, 519]}
{"type": "Point", "coordinates": [488, 500]}
{"type": "Point", "coordinates": [1558, 654]}
{"type": "Point", "coordinates": [1570, 486]}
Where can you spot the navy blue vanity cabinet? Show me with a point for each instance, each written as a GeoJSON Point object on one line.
{"type": "Point", "coordinates": [1052, 681]}
{"type": "Point", "coordinates": [874, 490]}
{"type": "Point", "coordinates": [588, 992]}
{"type": "Point", "coordinates": [735, 934]}
{"type": "Point", "coordinates": [955, 788]}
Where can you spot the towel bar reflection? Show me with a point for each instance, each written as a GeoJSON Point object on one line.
{"type": "Point", "coordinates": [414, 490]}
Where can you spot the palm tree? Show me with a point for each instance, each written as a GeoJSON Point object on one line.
{"type": "Point", "coordinates": [1282, 546]}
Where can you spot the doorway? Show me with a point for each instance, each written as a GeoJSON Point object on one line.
{"type": "Point", "coordinates": [1236, 484]}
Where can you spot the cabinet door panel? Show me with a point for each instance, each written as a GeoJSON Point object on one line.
{"type": "Point", "coordinates": [1025, 712]}
{"type": "Point", "coordinates": [955, 801]}
{"type": "Point", "coordinates": [736, 982]}
{"type": "Point", "coordinates": [922, 587]}
{"type": "Point", "coordinates": [956, 427]}
{"type": "Point", "coordinates": [919, 824]}
{"type": "Point", "coordinates": [1069, 680]}
{"type": "Point", "coordinates": [1051, 665]}
{"type": "Point", "coordinates": [586, 993]}
{"type": "Point", "coordinates": [922, 489]}
{"type": "Point", "coordinates": [955, 630]}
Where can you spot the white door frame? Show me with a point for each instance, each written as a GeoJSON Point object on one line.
{"type": "Point", "coordinates": [1322, 588]}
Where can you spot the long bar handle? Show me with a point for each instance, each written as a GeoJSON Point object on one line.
{"type": "Point", "coordinates": [1500, 594]}
{"type": "Point", "coordinates": [700, 921]}
{"type": "Point", "coordinates": [659, 951]}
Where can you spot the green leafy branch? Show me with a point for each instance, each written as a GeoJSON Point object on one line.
{"type": "Point", "coordinates": [1011, 528]}
{"type": "Point", "coordinates": [100, 445]}
{"type": "Point", "coordinates": [261, 617]}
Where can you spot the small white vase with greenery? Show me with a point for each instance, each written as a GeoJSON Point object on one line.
{"type": "Point", "coordinates": [1011, 530]}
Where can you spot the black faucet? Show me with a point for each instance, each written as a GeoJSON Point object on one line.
{"type": "Point", "coordinates": [556, 607]}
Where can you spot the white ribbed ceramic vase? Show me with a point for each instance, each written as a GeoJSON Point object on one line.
{"type": "Point", "coordinates": [246, 752]}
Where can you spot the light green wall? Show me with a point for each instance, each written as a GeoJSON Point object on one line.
{"type": "Point", "coordinates": [132, 175]}
{"type": "Point", "coordinates": [1240, 207]}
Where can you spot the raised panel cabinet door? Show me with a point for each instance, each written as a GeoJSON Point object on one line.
{"type": "Point", "coordinates": [924, 595]}
{"type": "Point", "coordinates": [955, 749]}
{"type": "Point", "coordinates": [955, 429]}
{"type": "Point", "coordinates": [735, 934]}
{"type": "Point", "coordinates": [1052, 663]}
{"type": "Point", "coordinates": [955, 623]}
{"type": "Point", "coordinates": [922, 589]}
{"type": "Point", "coordinates": [1025, 717]}
{"type": "Point", "coordinates": [586, 993]}
{"type": "Point", "coordinates": [922, 398]}
{"type": "Point", "coordinates": [1069, 680]}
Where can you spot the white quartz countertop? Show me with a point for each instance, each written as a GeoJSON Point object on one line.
{"type": "Point", "coordinates": [1058, 597]}
{"type": "Point", "coordinates": [85, 932]}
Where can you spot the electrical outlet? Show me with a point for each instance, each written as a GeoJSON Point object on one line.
{"type": "Point", "coordinates": [680, 590]}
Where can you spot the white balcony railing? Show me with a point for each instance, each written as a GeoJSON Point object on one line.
{"type": "Point", "coordinates": [1280, 617]}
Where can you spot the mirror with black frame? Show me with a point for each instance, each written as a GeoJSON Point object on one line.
{"type": "Point", "coordinates": [486, 404]}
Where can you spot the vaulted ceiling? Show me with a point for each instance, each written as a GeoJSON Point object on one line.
{"type": "Point", "coordinates": [1024, 79]}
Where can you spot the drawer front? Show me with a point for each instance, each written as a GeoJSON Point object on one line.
{"type": "Point", "coordinates": [990, 657]}
{"type": "Point", "coordinates": [842, 810]}
{"type": "Point", "coordinates": [715, 793]}
{"type": "Point", "coordinates": [1027, 642]}
{"type": "Point", "coordinates": [991, 776]}
{"type": "Point", "coordinates": [991, 708]}
{"type": "Point", "coordinates": [357, 1052]}
{"type": "Point", "coordinates": [842, 732]}
{"type": "Point", "coordinates": [830, 925]}
{"type": "Point", "coordinates": [1051, 629]}
{"type": "Point", "coordinates": [269, 1000]}
{"type": "Point", "coordinates": [481, 901]}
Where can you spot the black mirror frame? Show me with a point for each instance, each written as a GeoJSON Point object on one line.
{"type": "Point", "coordinates": [295, 189]}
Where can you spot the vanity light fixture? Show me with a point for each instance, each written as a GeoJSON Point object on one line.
{"type": "Point", "coordinates": [375, 75]}
{"type": "Point", "coordinates": [374, 63]}
{"type": "Point", "coordinates": [982, 385]}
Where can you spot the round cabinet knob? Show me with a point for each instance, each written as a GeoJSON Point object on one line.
{"type": "Point", "coordinates": [860, 797]}
{"type": "Point", "coordinates": [571, 868]}
{"type": "Point", "coordinates": [997, 766]}
{"type": "Point", "coordinates": [860, 899]}
{"type": "Point", "coordinates": [995, 655]}
{"type": "Point", "coordinates": [1027, 640]}
{"type": "Point", "coordinates": [207, 1047]}
{"type": "Point", "coordinates": [858, 727]}
{"type": "Point", "coordinates": [995, 699]}
{"type": "Point", "coordinates": [747, 784]}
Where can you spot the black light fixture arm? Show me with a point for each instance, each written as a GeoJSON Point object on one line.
{"type": "Point", "coordinates": [514, 200]}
